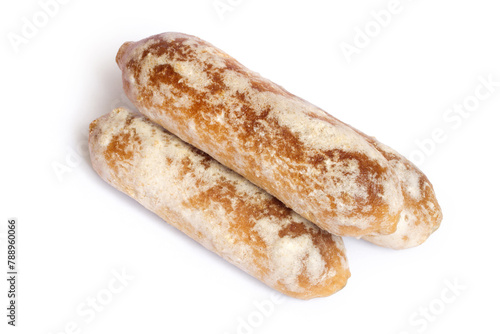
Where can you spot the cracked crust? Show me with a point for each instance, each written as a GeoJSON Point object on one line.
{"type": "Point", "coordinates": [320, 167]}
{"type": "Point", "coordinates": [216, 207]}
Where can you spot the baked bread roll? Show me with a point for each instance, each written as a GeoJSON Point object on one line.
{"type": "Point", "coordinates": [216, 207]}
{"type": "Point", "coordinates": [323, 169]}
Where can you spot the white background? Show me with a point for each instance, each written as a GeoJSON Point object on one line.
{"type": "Point", "coordinates": [75, 230]}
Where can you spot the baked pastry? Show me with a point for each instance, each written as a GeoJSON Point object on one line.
{"type": "Point", "coordinates": [320, 167]}
{"type": "Point", "coordinates": [216, 207]}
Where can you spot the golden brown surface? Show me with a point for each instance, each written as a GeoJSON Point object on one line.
{"type": "Point", "coordinates": [216, 207]}
{"type": "Point", "coordinates": [320, 167]}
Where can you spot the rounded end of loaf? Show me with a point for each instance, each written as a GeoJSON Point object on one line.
{"type": "Point", "coordinates": [331, 286]}
{"type": "Point", "coordinates": [98, 139]}
{"type": "Point", "coordinates": [308, 283]}
{"type": "Point", "coordinates": [94, 151]}
{"type": "Point", "coordinates": [421, 215]}
{"type": "Point", "coordinates": [121, 55]}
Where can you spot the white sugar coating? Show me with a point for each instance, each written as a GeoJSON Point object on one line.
{"type": "Point", "coordinates": [110, 128]}
{"type": "Point", "coordinates": [182, 102]}
{"type": "Point", "coordinates": [155, 175]}
{"type": "Point", "coordinates": [410, 179]}
{"type": "Point", "coordinates": [193, 74]}
{"type": "Point", "coordinates": [237, 82]}
{"type": "Point", "coordinates": [407, 235]}
{"type": "Point", "coordinates": [287, 257]}
{"type": "Point", "coordinates": [268, 229]}
{"type": "Point", "coordinates": [158, 98]}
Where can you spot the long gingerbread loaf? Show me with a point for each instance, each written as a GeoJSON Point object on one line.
{"type": "Point", "coordinates": [320, 167]}
{"type": "Point", "coordinates": [216, 207]}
